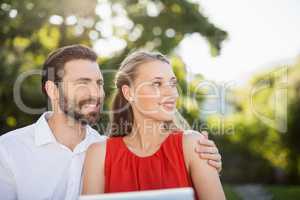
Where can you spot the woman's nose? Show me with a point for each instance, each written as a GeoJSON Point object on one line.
{"type": "Point", "coordinates": [170, 90]}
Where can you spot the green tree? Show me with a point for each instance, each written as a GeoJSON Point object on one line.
{"type": "Point", "coordinates": [30, 29]}
{"type": "Point", "coordinates": [260, 142]}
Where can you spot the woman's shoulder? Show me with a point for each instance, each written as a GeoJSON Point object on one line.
{"type": "Point", "coordinates": [102, 144]}
{"type": "Point", "coordinates": [189, 140]}
{"type": "Point", "coordinates": [187, 137]}
{"type": "Point", "coordinates": [191, 136]}
{"type": "Point", "coordinates": [95, 157]}
{"type": "Point", "coordinates": [97, 148]}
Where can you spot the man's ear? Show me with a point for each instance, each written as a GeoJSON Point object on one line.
{"type": "Point", "coordinates": [127, 93]}
{"type": "Point", "coordinates": [52, 90]}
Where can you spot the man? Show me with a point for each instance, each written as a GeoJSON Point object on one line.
{"type": "Point", "coordinates": [44, 160]}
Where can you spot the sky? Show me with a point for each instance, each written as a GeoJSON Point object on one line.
{"type": "Point", "coordinates": [261, 33]}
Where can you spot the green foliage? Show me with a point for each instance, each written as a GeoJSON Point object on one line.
{"type": "Point", "coordinates": [230, 194]}
{"type": "Point", "coordinates": [30, 29]}
{"type": "Point", "coordinates": [259, 127]}
{"type": "Point", "coordinates": [284, 192]}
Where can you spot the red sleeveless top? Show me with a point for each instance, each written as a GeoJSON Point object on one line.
{"type": "Point", "coordinates": [125, 171]}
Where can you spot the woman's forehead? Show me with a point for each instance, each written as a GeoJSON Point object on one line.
{"type": "Point", "coordinates": [154, 69]}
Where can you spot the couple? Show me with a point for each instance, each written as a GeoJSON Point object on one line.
{"type": "Point", "coordinates": [60, 155]}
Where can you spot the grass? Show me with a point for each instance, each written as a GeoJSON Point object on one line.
{"type": "Point", "coordinates": [284, 192]}
{"type": "Point", "coordinates": [230, 194]}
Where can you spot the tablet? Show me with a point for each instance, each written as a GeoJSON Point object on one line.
{"type": "Point", "coordinates": [164, 194]}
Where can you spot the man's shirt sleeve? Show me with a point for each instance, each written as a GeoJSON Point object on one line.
{"type": "Point", "coordinates": [7, 181]}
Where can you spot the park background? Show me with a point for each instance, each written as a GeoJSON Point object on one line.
{"type": "Point", "coordinates": [237, 62]}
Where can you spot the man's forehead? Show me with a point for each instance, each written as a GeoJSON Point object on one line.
{"type": "Point", "coordinates": [82, 68]}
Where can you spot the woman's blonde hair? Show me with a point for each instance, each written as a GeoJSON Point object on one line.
{"type": "Point", "coordinates": [122, 118]}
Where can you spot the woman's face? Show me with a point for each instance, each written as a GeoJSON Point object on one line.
{"type": "Point", "coordinates": [154, 91]}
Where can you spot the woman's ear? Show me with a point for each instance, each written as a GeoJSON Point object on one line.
{"type": "Point", "coordinates": [127, 93]}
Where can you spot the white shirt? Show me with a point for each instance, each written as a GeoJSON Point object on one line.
{"type": "Point", "coordinates": [34, 166]}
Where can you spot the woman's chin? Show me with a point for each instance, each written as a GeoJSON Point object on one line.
{"type": "Point", "coordinates": [166, 117]}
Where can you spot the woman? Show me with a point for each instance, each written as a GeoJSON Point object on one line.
{"type": "Point", "coordinates": [147, 150]}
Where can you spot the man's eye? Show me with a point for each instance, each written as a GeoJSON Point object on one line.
{"type": "Point", "coordinates": [82, 82]}
{"type": "Point", "coordinates": [173, 83]}
{"type": "Point", "coordinates": [100, 83]}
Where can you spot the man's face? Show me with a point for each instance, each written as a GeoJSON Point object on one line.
{"type": "Point", "coordinates": [81, 92]}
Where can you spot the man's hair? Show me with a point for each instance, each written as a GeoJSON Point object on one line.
{"type": "Point", "coordinates": [54, 64]}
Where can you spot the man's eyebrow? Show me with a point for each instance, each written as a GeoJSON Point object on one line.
{"type": "Point", "coordinates": [89, 79]}
{"type": "Point", "coordinates": [83, 79]}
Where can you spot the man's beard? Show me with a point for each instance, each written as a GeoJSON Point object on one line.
{"type": "Point", "coordinates": [72, 109]}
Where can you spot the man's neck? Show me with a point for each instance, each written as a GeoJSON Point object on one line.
{"type": "Point", "coordinates": [66, 130]}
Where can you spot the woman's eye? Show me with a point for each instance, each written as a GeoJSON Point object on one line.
{"type": "Point", "coordinates": [156, 84]}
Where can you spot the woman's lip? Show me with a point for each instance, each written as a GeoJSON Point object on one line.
{"type": "Point", "coordinates": [169, 105]}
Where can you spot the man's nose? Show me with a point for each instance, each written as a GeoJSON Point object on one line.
{"type": "Point", "coordinates": [96, 90]}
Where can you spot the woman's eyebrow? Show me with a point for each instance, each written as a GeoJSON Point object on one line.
{"type": "Point", "coordinates": [161, 78]}
{"type": "Point", "coordinates": [158, 77]}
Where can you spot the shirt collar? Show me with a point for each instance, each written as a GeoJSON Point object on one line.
{"type": "Point", "coordinates": [89, 139]}
{"type": "Point", "coordinates": [43, 133]}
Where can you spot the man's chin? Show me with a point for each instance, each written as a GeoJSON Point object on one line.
{"type": "Point", "coordinates": [85, 119]}
{"type": "Point", "coordinates": [90, 122]}
{"type": "Point", "coordinates": [90, 119]}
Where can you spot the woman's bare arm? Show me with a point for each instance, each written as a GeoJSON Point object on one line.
{"type": "Point", "coordinates": [205, 177]}
{"type": "Point", "coordinates": [93, 170]}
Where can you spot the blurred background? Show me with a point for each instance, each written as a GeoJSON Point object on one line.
{"type": "Point", "coordinates": [237, 62]}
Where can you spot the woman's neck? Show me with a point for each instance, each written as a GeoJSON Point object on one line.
{"type": "Point", "coordinates": [146, 134]}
